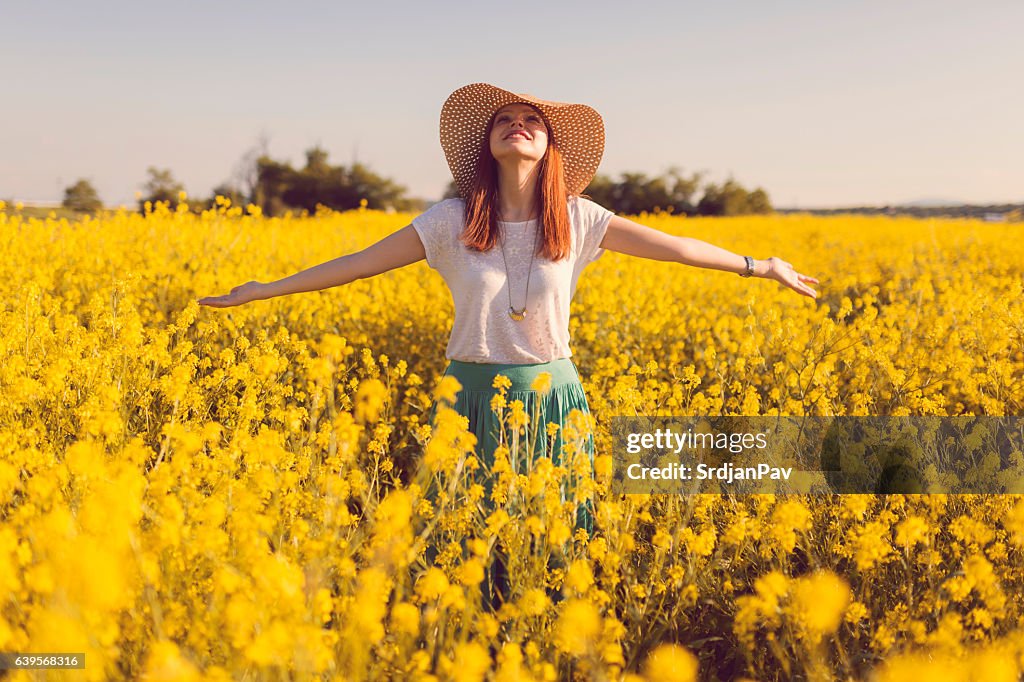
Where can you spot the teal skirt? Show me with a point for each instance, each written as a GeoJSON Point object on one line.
{"type": "Point", "coordinates": [473, 401]}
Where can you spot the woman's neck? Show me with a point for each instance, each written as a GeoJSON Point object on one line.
{"type": "Point", "coordinates": [516, 192]}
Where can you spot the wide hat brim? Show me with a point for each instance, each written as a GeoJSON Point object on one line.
{"type": "Point", "coordinates": [576, 129]}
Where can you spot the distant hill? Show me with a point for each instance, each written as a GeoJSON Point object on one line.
{"type": "Point", "coordinates": [929, 203]}
{"type": "Point", "coordinates": [928, 208]}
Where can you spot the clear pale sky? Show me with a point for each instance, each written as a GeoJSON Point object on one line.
{"type": "Point", "coordinates": [819, 103]}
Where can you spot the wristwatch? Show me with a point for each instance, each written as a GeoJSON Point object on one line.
{"type": "Point", "coordinates": [750, 267]}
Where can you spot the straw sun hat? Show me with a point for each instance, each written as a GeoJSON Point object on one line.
{"type": "Point", "coordinates": [576, 128]}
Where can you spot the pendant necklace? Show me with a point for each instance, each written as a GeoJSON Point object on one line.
{"type": "Point", "coordinates": [518, 315]}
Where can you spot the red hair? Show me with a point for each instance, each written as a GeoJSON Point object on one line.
{"type": "Point", "coordinates": [481, 233]}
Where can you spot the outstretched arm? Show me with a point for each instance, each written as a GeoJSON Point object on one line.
{"type": "Point", "coordinates": [394, 251]}
{"type": "Point", "coordinates": [634, 239]}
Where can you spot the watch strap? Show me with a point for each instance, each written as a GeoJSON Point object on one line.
{"type": "Point", "coordinates": [750, 267]}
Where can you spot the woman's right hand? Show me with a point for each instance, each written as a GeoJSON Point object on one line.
{"type": "Point", "coordinates": [243, 293]}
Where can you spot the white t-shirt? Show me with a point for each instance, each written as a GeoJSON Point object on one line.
{"type": "Point", "coordinates": [483, 331]}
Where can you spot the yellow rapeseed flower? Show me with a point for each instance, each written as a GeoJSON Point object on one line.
{"type": "Point", "coordinates": [911, 531]}
{"type": "Point", "coordinates": [370, 399]}
{"type": "Point", "coordinates": [542, 383]}
{"type": "Point", "coordinates": [818, 602]}
{"type": "Point", "coordinates": [579, 578]}
{"type": "Point", "coordinates": [471, 662]}
{"type": "Point", "coordinates": [579, 625]}
{"type": "Point", "coordinates": [534, 602]}
{"type": "Point", "coordinates": [405, 618]}
{"type": "Point", "coordinates": [472, 572]}
{"type": "Point", "coordinates": [670, 663]}
{"type": "Point", "coordinates": [165, 662]}
{"type": "Point", "coordinates": [432, 584]}
{"type": "Point", "coordinates": [447, 389]}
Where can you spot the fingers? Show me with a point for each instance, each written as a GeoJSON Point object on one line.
{"type": "Point", "coordinates": [808, 291]}
{"type": "Point", "coordinates": [215, 301]}
{"type": "Point", "coordinates": [798, 286]}
{"type": "Point", "coordinates": [786, 274]}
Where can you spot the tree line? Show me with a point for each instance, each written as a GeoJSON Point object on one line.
{"type": "Point", "coordinates": [276, 187]}
{"type": "Point", "coordinates": [671, 192]}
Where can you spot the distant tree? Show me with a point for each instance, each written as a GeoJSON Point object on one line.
{"type": "Point", "coordinates": [224, 189]}
{"type": "Point", "coordinates": [316, 161]}
{"type": "Point", "coordinates": [415, 204]}
{"type": "Point", "coordinates": [82, 196]}
{"type": "Point", "coordinates": [713, 201]}
{"type": "Point", "coordinates": [379, 192]}
{"type": "Point", "coordinates": [758, 202]}
{"type": "Point", "coordinates": [731, 198]}
{"type": "Point", "coordinates": [280, 187]}
{"type": "Point", "coordinates": [682, 190]}
{"type": "Point", "coordinates": [451, 191]}
{"type": "Point", "coordinates": [671, 192]}
{"type": "Point", "coordinates": [161, 186]}
{"type": "Point", "coordinates": [273, 180]}
{"type": "Point", "coordinates": [246, 174]}
{"type": "Point", "coordinates": [636, 193]}
{"type": "Point", "coordinates": [229, 191]}
{"type": "Point", "coordinates": [601, 191]}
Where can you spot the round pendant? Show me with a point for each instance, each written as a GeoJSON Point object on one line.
{"type": "Point", "coordinates": [516, 315]}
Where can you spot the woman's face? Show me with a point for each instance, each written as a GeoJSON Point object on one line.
{"type": "Point", "coordinates": [518, 132]}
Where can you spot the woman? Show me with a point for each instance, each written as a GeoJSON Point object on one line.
{"type": "Point", "coordinates": [511, 250]}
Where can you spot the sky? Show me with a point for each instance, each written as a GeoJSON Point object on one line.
{"type": "Point", "coordinates": [821, 104]}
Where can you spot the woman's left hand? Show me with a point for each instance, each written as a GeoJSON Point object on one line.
{"type": "Point", "coordinates": [784, 273]}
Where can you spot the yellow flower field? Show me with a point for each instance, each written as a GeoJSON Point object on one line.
{"type": "Point", "coordinates": [252, 493]}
